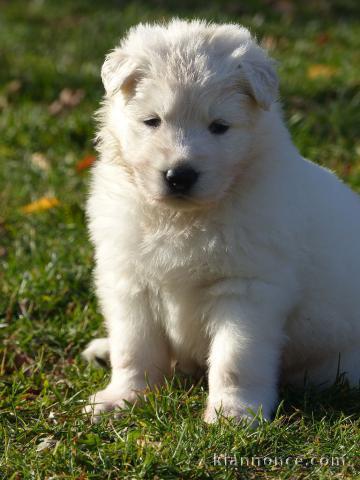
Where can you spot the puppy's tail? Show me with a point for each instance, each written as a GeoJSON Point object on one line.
{"type": "Point", "coordinates": [98, 352]}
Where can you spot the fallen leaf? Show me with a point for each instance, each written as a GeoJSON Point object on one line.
{"type": "Point", "coordinates": [145, 442]}
{"type": "Point", "coordinates": [347, 169]}
{"type": "Point", "coordinates": [319, 70]}
{"type": "Point", "coordinates": [56, 107]}
{"type": "Point", "coordinates": [269, 42]}
{"type": "Point", "coordinates": [82, 476]}
{"type": "Point", "coordinates": [43, 203]}
{"type": "Point", "coordinates": [284, 7]}
{"type": "Point", "coordinates": [52, 417]}
{"type": "Point", "coordinates": [40, 161]}
{"type": "Point", "coordinates": [22, 359]}
{"type": "Point", "coordinates": [34, 391]}
{"type": "Point", "coordinates": [71, 98]}
{"type": "Point", "coordinates": [14, 86]}
{"type": "Point", "coordinates": [322, 38]}
{"type": "Point", "coordinates": [10, 89]}
{"type": "Point", "coordinates": [68, 98]}
{"type": "Point", "coordinates": [3, 102]}
{"type": "Point", "coordinates": [85, 163]}
{"type": "Point", "coordinates": [45, 444]}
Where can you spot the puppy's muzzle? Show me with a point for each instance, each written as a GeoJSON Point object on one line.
{"type": "Point", "coordinates": [180, 180]}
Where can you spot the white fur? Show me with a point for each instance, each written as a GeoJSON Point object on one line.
{"type": "Point", "coordinates": [256, 274]}
{"type": "Point", "coordinates": [97, 351]}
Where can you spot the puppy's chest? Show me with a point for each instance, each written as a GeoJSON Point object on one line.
{"type": "Point", "coordinates": [193, 255]}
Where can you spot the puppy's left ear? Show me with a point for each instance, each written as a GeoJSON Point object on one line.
{"type": "Point", "coordinates": [260, 80]}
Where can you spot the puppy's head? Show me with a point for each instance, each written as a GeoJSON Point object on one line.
{"type": "Point", "coordinates": [183, 100]}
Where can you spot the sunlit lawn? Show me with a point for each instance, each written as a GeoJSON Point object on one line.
{"type": "Point", "coordinates": [50, 56]}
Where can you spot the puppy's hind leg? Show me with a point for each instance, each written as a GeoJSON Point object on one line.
{"type": "Point", "coordinates": [98, 352]}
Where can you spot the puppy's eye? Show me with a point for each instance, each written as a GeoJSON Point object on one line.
{"type": "Point", "coordinates": [152, 122]}
{"type": "Point", "coordinates": [218, 128]}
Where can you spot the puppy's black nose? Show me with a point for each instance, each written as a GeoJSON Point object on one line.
{"type": "Point", "coordinates": [180, 179]}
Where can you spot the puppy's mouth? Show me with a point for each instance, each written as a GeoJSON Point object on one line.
{"type": "Point", "coordinates": [184, 202]}
{"type": "Point", "coordinates": [178, 196]}
{"type": "Point", "coordinates": [178, 200]}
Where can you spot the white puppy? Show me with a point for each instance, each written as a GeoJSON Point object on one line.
{"type": "Point", "coordinates": [217, 245]}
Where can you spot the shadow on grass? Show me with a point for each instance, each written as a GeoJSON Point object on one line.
{"type": "Point", "coordinates": [332, 403]}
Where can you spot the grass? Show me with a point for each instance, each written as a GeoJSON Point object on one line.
{"type": "Point", "coordinates": [48, 311]}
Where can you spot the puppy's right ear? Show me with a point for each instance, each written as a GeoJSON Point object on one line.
{"type": "Point", "coordinates": [120, 72]}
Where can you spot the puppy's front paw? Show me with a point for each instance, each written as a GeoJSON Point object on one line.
{"type": "Point", "coordinates": [233, 408]}
{"type": "Point", "coordinates": [111, 398]}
